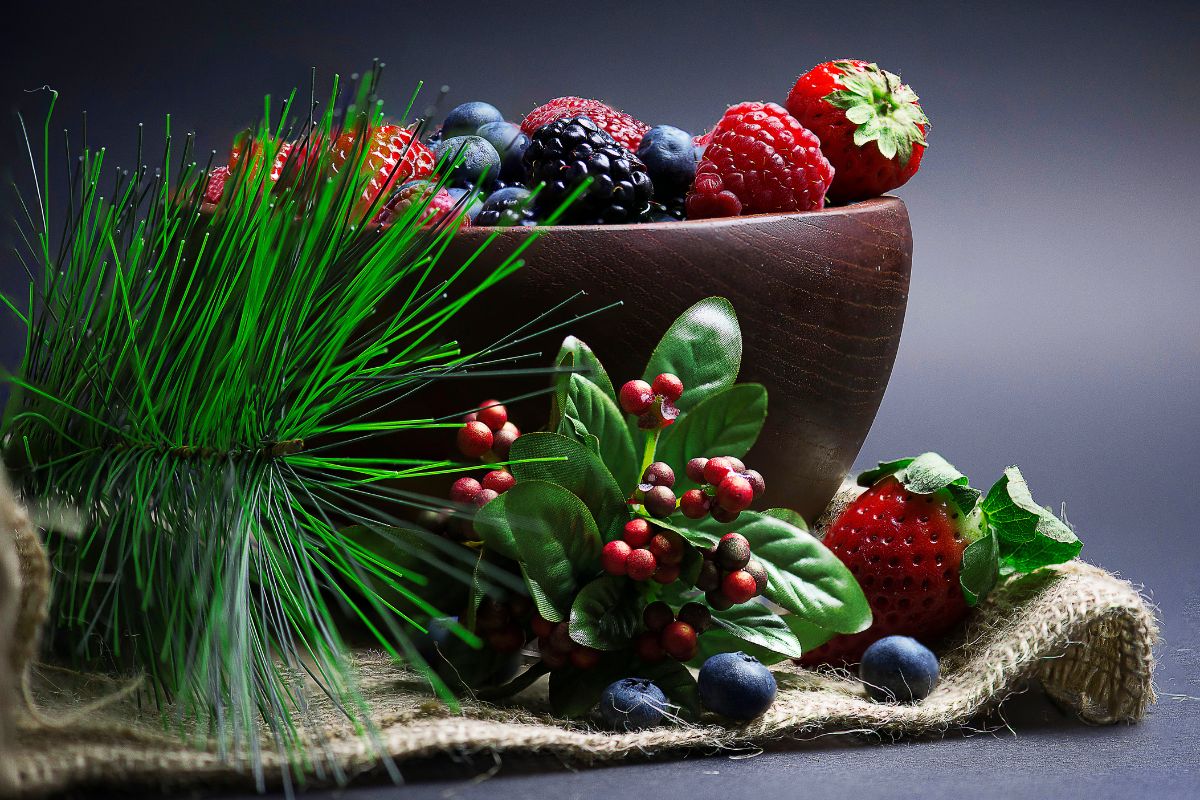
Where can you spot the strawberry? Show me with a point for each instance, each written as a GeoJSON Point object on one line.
{"type": "Point", "coordinates": [924, 548]}
{"type": "Point", "coordinates": [871, 126]}
{"type": "Point", "coordinates": [394, 155]}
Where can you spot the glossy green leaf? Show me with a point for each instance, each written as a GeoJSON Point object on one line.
{"type": "Point", "coordinates": [492, 528]}
{"type": "Point", "coordinates": [606, 613]}
{"type": "Point", "coordinates": [980, 568]}
{"type": "Point", "coordinates": [751, 625]}
{"type": "Point", "coordinates": [582, 473]}
{"type": "Point", "coordinates": [703, 347]}
{"type": "Point", "coordinates": [1010, 510]}
{"type": "Point", "coordinates": [574, 354]}
{"type": "Point", "coordinates": [726, 423]}
{"type": "Point", "coordinates": [588, 404]}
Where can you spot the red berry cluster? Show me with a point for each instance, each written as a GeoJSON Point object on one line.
{"type": "Point", "coordinates": [557, 647]}
{"type": "Point", "coordinates": [653, 404]}
{"type": "Point", "coordinates": [499, 622]}
{"type": "Point", "coordinates": [671, 634]}
{"type": "Point", "coordinates": [656, 492]}
{"type": "Point", "coordinates": [494, 484]}
{"type": "Point", "coordinates": [727, 488]}
{"type": "Point", "coordinates": [644, 552]}
{"type": "Point", "coordinates": [487, 431]}
{"type": "Point", "coordinates": [728, 575]}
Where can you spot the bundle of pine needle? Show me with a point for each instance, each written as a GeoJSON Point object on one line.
{"type": "Point", "coordinates": [190, 378]}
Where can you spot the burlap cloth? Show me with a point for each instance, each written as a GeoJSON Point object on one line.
{"type": "Point", "coordinates": [1086, 635]}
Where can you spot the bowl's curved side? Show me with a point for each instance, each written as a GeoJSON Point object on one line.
{"type": "Point", "coordinates": [821, 299]}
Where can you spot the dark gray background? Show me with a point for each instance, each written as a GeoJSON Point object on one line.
{"type": "Point", "coordinates": [1053, 319]}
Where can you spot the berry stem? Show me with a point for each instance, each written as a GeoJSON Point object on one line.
{"type": "Point", "coordinates": [648, 453]}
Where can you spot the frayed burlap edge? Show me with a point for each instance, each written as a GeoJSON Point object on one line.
{"type": "Point", "coordinates": [1086, 635]}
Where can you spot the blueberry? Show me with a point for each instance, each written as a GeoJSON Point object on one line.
{"type": "Point", "coordinates": [506, 207]}
{"type": "Point", "coordinates": [670, 157]}
{"type": "Point", "coordinates": [511, 144]}
{"type": "Point", "coordinates": [633, 703]}
{"type": "Point", "coordinates": [736, 685]}
{"type": "Point", "coordinates": [471, 206]}
{"type": "Point", "coordinates": [467, 118]}
{"type": "Point", "coordinates": [899, 669]}
{"type": "Point", "coordinates": [477, 158]}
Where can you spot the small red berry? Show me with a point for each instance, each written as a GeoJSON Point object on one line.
{"type": "Point", "coordinates": [499, 481]}
{"type": "Point", "coordinates": [470, 417]}
{"type": "Point", "coordinates": [694, 504]}
{"type": "Point", "coordinates": [724, 514]}
{"type": "Point", "coordinates": [508, 639]}
{"type": "Point", "coordinates": [474, 439]}
{"type": "Point", "coordinates": [464, 490]}
{"type": "Point", "coordinates": [709, 578]}
{"type": "Point", "coordinates": [738, 465]}
{"type": "Point", "coordinates": [657, 616]}
{"type": "Point", "coordinates": [560, 638]}
{"type": "Point", "coordinates": [733, 551]}
{"type": "Point", "coordinates": [636, 397]}
{"type": "Point", "coordinates": [502, 440]}
{"type": "Point", "coordinates": [666, 573]}
{"type": "Point", "coordinates": [756, 481]}
{"type": "Point", "coordinates": [695, 469]}
{"type": "Point", "coordinates": [485, 496]}
{"type": "Point", "coordinates": [679, 640]}
{"type": "Point", "coordinates": [641, 565]}
{"type": "Point", "coordinates": [584, 657]}
{"type": "Point", "coordinates": [649, 648]}
{"type": "Point", "coordinates": [668, 385]}
{"type": "Point", "coordinates": [614, 557]}
{"type": "Point", "coordinates": [492, 414]}
{"type": "Point", "coordinates": [542, 627]}
{"type": "Point", "coordinates": [660, 414]}
{"type": "Point", "coordinates": [659, 502]}
{"type": "Point", "coordinates": [759, 573]}
{"type": "Point", "coordinates": [739, 586]}
{"type": "Point", "coordinates": [717, 600]}
{"type": "Point", "coordinates": [659, 474]}
{"type": "Point", "coordinates": [716, 469]}
{"type": "Point", "coordinates": [697, 615]}
{"type": "Point", "coordinates": [667, 547]}
{"type": "Point", "coordinates": [637, 533]}
{"type": "Point", "coordinates": [735, 493]}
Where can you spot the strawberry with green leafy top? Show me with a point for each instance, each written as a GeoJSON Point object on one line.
{"type": "Point", "coordinates": [925, 548]}
{"type": "Point", "coordinates": [871, 126]}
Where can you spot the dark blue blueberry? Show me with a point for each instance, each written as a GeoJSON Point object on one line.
{"type": "Point", "coordinates": [438, 634]}
{"type": "Point", "coordinates": [466, 119]}
{"type": "Point", "coordinates": [670, 158]}
{"type": "Point", "coordinates": [898, 669]}
{"type": "Point", "coordinates": [471, 206]}
{"type": "Point", "coordinates": [511, 144]}
{"type": "Point", "coordinates": [736, 685]}
{"type": "Point", "coordinates": [631, 704]}
{"type": "Point", "coordinates": [507, 207]}
{"type": "Point", "coordinates": [477, 158]}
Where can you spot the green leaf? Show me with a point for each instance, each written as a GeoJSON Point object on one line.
{"type": "Point", "coordinates": [726, 423]}
{"type": "Point", "coordinates": [606, 613]}
{"type": "Point", "coordinates": [703, 347]}
{"type": "Point", "coordinates": [582, 473]}
{"type": "Point", "coordinates": [492, 528]}
{"type": "Point", "coordinates": [810, 636]}
{"type": "Point", "coordinates": [926, 474]}
{"type": "Point", "coordinates": [588, 404]}
{"type": "Point", "coordinates": [556, 541]}
{"type": "Point", "coordinates": [788, 516]}
{"type": "Point", "coordinates": [750, 624]}
{"type": "Point", "coordinates": [804, 577]}
{"type": "Point", "coordinates": [980, 568]}
{"type": "Point", "coordinates": [1010, 510]}
{"type": "Point", "coordinates": [1055, 544]}
{"type": "Point", "coordinates": [575, 354]}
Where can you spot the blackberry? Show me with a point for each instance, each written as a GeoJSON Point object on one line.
{"type": "Point", "coordinates": [566, 151]}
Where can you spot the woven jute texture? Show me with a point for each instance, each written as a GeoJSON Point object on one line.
{"type": "Point", "coordinates": [1084, 634]}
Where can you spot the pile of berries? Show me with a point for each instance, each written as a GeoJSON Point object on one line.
{"type": "Point", "coordinates": [850, 130]}
{"type": "Point", "coordinates": [499, 622]}
{"type": "Point", "coordinates": [556, 647]}
{"type": "Point", "coordinates": [487, 434]}
{"type": "Point", "coordinates": [727, 488]}
{"type": "Point", "coordinates": [729, 575]}
{"type": "Point", "coordinates": [671, 634]}
{"type": "Point", "coordinates": [645, 552]}
{"type": "Point", "coordinates": [652, 403]}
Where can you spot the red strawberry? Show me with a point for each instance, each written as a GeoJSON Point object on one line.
{"type": "Point", "coordinates": [394, 155]}
{"type": "Point", "coordinates": [759, 160]}
{"type": "Point", "coordinates": [281, 157]}
{"type": "Point", "coordinates": [439, 206]}
{"type": "Point", "coordinates": [871, 126]}
{"type": "Point", "coordinates": [216, 185]}
{"type": "Point", "coordinates": [619, 125]}
{"type": "Point", "coordinates": [906, 550]}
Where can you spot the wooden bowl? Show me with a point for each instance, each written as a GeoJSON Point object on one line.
{"type": "Point", "coordinates": [820, 296]}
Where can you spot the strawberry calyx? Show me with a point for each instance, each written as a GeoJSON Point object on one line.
{"type": "Point", "coordinates": [1009, 533]}
{"type": "Point", "coordinates": [886, 111]}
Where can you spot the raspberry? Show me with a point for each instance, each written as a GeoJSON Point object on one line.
{"type": "Point", "coordinates": [499, 481]}
{"type": "Point", "coordinates": [614, 557]}
{"type": "Point", "coordinates": [474, 439]}
{"type": "Point", "coordinates": [735, 493]}
{"type": "Point", "coordinates": [739, 586]}
{"type": "Point", "coordinates": [637, 533]}
{"type": "Point", "coordinates": [679, 640]}
{"type": "Point", "coordinates": [657, 616]}
{"type": "Point", "coordinates": [641, 565]}
{"type": "Point", "coordinates": [694, 504]}
{"type": "Point", "coordinates": [765, 159]}
{"type": "Point", "coordinates": [636, 397]}
{"type": "Point", "coordinates": [669, 386]}
{"type": "Point", "coordinates": [619, 125]}
{"type": "Point", "coordinates": [216, 185]}
{"type": "Point", "coordinates": [464, 490]}
{"type": "Point", "coordinates": [492, 414]}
